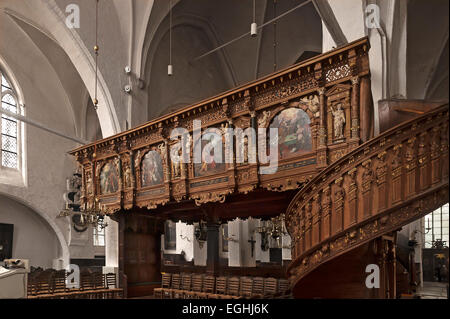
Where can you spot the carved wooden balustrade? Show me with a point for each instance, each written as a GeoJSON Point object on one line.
{"type": "Point", "coordinates": [330, 93]}
{"type": "Point", "coordinates": [385, 183]}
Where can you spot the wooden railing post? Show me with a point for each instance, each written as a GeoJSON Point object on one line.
{"type": "Point", "coordinates": [354, 141]}
{"type": "Point", "coordinates": [322, 154]}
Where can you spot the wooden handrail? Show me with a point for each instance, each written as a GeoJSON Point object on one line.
{"type": "Point", "coordinates": [385, 183]}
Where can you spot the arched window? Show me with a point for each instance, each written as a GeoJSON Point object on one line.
{"type": "Point", "coordinates": [10, 142]}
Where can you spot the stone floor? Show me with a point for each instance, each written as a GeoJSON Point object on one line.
{"type": "Point", "coordinates": [433, 290]}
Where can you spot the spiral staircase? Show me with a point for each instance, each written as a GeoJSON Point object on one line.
{"type": "Point", "coordinates": [346, 218]}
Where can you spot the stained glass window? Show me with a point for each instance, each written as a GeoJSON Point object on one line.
{"type": "Point", "coordinates": [9, 127]}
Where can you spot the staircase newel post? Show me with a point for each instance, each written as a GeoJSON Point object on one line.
{"type": "Point", "coordinates": [354, 141]}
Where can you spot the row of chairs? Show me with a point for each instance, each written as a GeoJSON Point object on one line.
{"type": "Point", "coordinates": [51, 284]}
{"type": "Point", "coordinates": [198, 286]}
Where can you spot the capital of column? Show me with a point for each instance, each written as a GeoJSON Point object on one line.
{"type": "Point", "coordinates": [355, 80]}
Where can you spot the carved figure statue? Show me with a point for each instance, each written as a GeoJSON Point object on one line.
{"type": "Point", "coordinates": [313, 104]}
{"type": "Point", "coordinates": [263, 119]}
{"type": "Point", "coordinates": [339, 121]}
{"type": "Point", "coordinates": [127, 176]}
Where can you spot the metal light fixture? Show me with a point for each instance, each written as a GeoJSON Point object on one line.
{"type": "Point", "coordinates": [264, 232]}
{"type": "Point", "coordinates": [273, 229]}
{"type": "Point", "coordinates": [201, 233]}
{"type": "Point", "coordinates": [254, 26]}
{"type": "Point", "coordinates": [170, 66]}
{"type": "Point", "coordinates": [96, 48]}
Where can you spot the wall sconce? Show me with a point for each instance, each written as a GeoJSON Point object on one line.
{"type": "Point", "coordinates": [263, 231]}
{"type": "Point", "coordinates": [201, 233]}
{"type": "Point", "coordinates": [229, 238]}
{"type": "Point", "coordinates": [185, 238]}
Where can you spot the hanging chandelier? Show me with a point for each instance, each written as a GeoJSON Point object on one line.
{"type": "Point", "coordinates": [88, 214]}
{"type": "Point", "coordinates": [94, 214]}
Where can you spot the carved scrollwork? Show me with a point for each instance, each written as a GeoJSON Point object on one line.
{"type": "Point", "coordinates": [209, 197]}
{"type": "Point", "coordinates": [312, 103]}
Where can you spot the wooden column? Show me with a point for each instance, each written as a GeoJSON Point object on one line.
{"type": "Point", "coordinates": [365, 109]}
{"type": "Point", "coordinates": [352, 198]}
{"type": "Point", "coordinates": [322, 134]}
{"type": "Point", "coordinates": [212, 259]}
{"type": "Point", "coordinates": [354, 113]}
{"type": "Point", "coordinates": [120, 219]}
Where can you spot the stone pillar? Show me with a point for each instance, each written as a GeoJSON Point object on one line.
{"type": "Point", "coordinates": [111, 243]}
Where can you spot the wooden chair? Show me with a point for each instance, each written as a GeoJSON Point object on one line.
{"type": "Point", "coordinates": [100, 290]}
{"type": "Point", "coordinates": [59, 285]}
{"type": "Point", "coordinates": [165, 284]}
{"type": "Point", "coordinates": [246, 287]}
{"type": "Point", "coordinates": [233, 287]}
{"type": "Point", "coordinates": [86, 286]}
{"type": "Point", "coordinates": [43, 283]}
{"type": "Point", "coordinates": [258, 287]}
{"type": "Point", "coordinates": [113, 289]}
{"type": "Point", "coordinates": [186, 281]}
{"type": "Point", "coordinates": [270, 287]}
{"type": "Point", "coordinates": [283, 286]}
{"type": "Point", "coordinates": [221, 288]}
{"type": "Point", "coordinates": [208, 286]}
{"type": "Point", "coordinates": [196, 289]}
{"type": "Point", "coordinates": [174, 292]}
{"type": "Point", "coordinates": [33, 282]}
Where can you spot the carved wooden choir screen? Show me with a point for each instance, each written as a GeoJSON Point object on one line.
{"type": "Point", "coordinates": [315, 105]}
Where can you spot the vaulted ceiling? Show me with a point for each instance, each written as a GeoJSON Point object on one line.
{"type": "Point", "coordinates": [200, 26]}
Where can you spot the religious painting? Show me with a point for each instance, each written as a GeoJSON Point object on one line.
{"type": "Point", "coordinates": [210, 165]}
{"type": "Point", "coordinates": [294, 132]}
{"type": "Point", "coordinates": [152, 169]}
{"type": "Point", "coordinates": [109, 179]}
